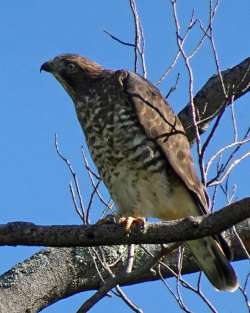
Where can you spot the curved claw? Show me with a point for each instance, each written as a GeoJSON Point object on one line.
{"type": "Point", "coordinates": [130, 220]}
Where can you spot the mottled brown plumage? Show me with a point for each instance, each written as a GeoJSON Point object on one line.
{"type": "Point", "coordinates": [141, 151]}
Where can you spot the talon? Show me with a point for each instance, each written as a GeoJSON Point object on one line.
{"type": "Point", "coordinates": [129, 221]}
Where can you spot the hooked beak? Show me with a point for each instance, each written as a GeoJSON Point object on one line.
{"type": "Point", "coordinates": [47, 67]}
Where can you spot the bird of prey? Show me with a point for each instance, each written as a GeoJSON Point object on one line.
{"type": "Point", "coordinates": [142, 154]}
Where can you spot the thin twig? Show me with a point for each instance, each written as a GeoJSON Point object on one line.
{"type": "Point", "coordinates": [73, 174]}
{"type": "Point", "coordinates": [219, 153]}
{"type": "Point", "coordinates": [244, 293]}
{"type": "Point", "coordinates": [78, 211]}
{"type": "Point", "coordinates": [187, 285]}
{"type": "Point", "coordinates": [175, 59]}
{"type": "Point", "coordinates": [191, 288]}
{"type": "Point", "coordinates": [91, 200]}
{"type": "Point", "coordinates": [230, 168]}
{"type": "Point", "coordinates": [243, 247]}
{"type": "Point", "coordinates": [184, 308]}
{"type": "Point", "coordinates": [179, 269]}
{"type": "Point", "coordinates": [244, 140]}
{"type": "Point", "coordinates": [206, 143]}
{"type": "Point", "coordinates": [119, 279]}
{"type": "Point", "coordinates": [234, 122]}
{"type": "Point", "coordinates": [93, 255]}
{"type": "Point", "coordinates": [118, 40]}
{"type": "Point", "coordinates": [186, 59]}
{"type": "Point", "coordinates": [173, 88]}
{"type": "Point", "coordinates": [120, 293]}
{"type": "Point", "coordinates": [139, 41]}
{"type": "Point", "coordinates": [91, 174]}
{"type": "Point", "coordinates": [210, 36]}
{"type": "Point", "coordinates": [128, 301]}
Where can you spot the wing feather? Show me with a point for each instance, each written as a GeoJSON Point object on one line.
{"type": "Point", "coordinates": [162, 125]}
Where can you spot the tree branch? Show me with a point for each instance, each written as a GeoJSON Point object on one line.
{"type": "Point", "coordinates": [211, 98]}
{"type": "Point", "coordinates": [22, 233]}
{"type": "Point", "coordinates": [57, 273]}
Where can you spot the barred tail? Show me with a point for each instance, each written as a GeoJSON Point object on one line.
{"type": "Point", "coordinates": [213, 262]}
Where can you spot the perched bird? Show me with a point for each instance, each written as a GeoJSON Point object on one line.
{"type": "Point", "coordinates": [140, 149]}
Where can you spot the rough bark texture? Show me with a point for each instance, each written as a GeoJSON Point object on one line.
{"type": "Point", "coordinates": [211, 98]}
{"type": "Point", "coordinates": [21, 233]}
{"type": "Point", "coordinates": [56, 273]}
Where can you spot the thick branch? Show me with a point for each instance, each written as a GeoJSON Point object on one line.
{"type": "Point", "coordinates": [211, 97]}
{"type": "Point", "coordinates": [21, 233]}
{"type": "Point", "coordinates": [56, 273]}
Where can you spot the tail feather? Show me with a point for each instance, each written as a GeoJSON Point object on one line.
{"type": "Point", "coordinates": [213, 262]}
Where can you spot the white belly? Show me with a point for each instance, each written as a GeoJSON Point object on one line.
{"type": "Point", "coordinates": [151, 196]}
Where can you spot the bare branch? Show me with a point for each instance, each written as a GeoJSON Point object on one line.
{"type": "Point", "coordinates": [21, 233]}
{"type": "Point", "coordinates": [178, 54]}
{"type": "Point", "coordinates": [80, 211]}
{"type": "Point", "coordinates": [76, 272]}
{"type": "Point", "coordinates": [139, 42]}
{"type": "Point", "coordinates": [119, 40]}
{"type": "Point", "coordinates": [211, 98]}
{"type": "Point", "coordinates": [92, 175]}
{"type": "Point", "coordinates": [243, 291]}
{"type": "Point", "coordinates": [173, 88]}
{"type": "Point", "coordinates": [186, 59]}
{"type": "Point", "coordinates": [126, 299]}
{"type": "Point", "coordinates": [223, 149]}
{"type": "Point", "coordinates": [123, 278]}
{"type": "Point", "coordinates": [230, 168]}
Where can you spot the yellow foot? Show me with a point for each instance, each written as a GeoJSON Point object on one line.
{"type": "Point", "coordinates": [129, 221]}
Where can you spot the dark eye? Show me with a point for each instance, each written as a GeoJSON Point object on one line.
{"type": "Point", "coordinates": [71, 68]}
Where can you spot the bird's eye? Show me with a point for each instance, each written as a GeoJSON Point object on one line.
{"type": "Point", "coordinates": [71, 68]}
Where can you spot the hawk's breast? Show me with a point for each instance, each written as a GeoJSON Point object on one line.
{"type": "Point", "coordinates": [138, 176]}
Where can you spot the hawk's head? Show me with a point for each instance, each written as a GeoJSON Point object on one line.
{"type": "Point", "coordinates": [73, 72]}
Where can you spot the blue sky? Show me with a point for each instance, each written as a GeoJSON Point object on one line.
{"type": "Point", "coordinates": [34, 107]}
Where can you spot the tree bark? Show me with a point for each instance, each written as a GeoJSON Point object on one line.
{"type": "Point", "coordinates": [211, 98]}
{"type": "Point", "coordinates": [56, 273]}
{"type": "Point", "coordinates": [21, 233]}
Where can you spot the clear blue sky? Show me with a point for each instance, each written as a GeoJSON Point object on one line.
{"type": "Point", "coordinates": [34, 107]}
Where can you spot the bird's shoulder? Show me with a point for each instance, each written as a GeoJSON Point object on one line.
{"type": "Point", "coordinates": [163, 126]}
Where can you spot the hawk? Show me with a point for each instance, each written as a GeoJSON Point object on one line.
{"type": "Point", "coordinates": [142, 154]}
